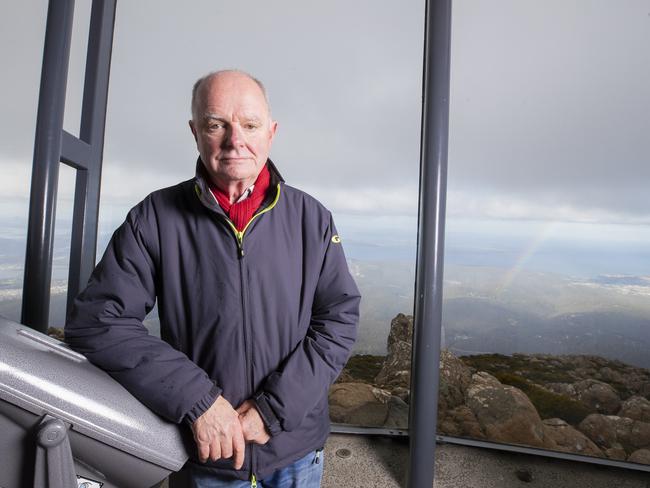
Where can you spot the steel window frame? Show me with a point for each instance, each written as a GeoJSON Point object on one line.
{"type": "Point", "coordinates": [53, 146]}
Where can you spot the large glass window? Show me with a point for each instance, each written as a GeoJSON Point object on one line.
{"type": "Point", "coordinates": [547, 266]}
{"type": "Point", "coordinates": [344, 81]}
{"type": "Point", "coordinates": [22, 29]}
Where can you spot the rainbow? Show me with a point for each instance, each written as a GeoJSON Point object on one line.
{"type": "Point", "coordinates": [529, 250]}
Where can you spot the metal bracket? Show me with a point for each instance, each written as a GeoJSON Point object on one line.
{"type": "Point", "coordinates": [54, 466]}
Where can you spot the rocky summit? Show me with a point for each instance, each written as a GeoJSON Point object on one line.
{"type": "Point", "coordinates": [578, 404]}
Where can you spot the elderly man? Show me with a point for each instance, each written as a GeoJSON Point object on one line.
{"type": "Point", "coordinates": [258, 311]}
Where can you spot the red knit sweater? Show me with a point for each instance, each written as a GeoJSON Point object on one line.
{"type": "Point", "coordinates": [241, 212]}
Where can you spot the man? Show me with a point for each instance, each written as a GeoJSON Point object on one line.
{"type": "Point", "coordinates": [257, 308]}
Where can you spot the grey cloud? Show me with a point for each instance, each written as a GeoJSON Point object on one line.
{"type": "Point", "coordinates": [549, 99]}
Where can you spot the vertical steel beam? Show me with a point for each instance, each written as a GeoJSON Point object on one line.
{"type": "Point", "coordinates": [93, 121]}
{"type": "Point", "coordinates": [431, 226]}
{"type": "Point", "coordinates": [45, 172]}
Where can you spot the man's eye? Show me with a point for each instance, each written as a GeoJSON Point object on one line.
{"type": "Point", "coordinates": [215, 126]}
{"type": "Point", "coordinates": [250, 126]}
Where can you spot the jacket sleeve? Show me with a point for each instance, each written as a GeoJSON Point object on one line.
{"type": "Point", "coordinates": [106, 326]}
{"type": "Point", "coordinates": [292, 391]}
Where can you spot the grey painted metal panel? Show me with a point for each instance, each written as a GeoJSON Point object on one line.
{"type": "Point", "coordinates": [41, 375]}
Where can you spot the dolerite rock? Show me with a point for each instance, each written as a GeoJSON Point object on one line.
{"type": "Point", "coordinates": [395, 374]}
{"type": "Point", "coordinates": [396, 371]}
{"type": "Point", "coordinates": [640, 456]}
{"type": "Point", "coordinates": [636, 408]}
{"type": "Point", "coordinates": [398, 414]}
{"type": "Point", "coordinates": [600, 429]}
{"type": "Point", "coordinates": [616, 453]}
{"type": "Point", "coordinates": [598, 395]}
{"type": "Point", "coordinates": [568, 439]}
{"type": "Point", "coordinates": [460, 422]}
{"type": "Point", "coordinates": [455, 377]}
{"type": "Point", "coordinates": [503, 412]}
{"type": "Point", "coordinates": [609, 431]}
{"type": "Point", "coordinates": [358, 404]}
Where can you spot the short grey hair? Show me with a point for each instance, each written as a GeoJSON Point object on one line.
{"type": "Point", "coordinates": [203, 79]}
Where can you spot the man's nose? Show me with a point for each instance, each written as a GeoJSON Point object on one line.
{"type": "Point", "coordinates": [234, 136]}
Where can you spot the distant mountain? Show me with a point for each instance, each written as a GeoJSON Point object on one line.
{"type": "Point", "coordinates": [478, 326]}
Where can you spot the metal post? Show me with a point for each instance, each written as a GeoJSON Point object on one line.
{"type": "Point", "coordinates": [93, 120]}
{"type": "Point", "coordinates": [431, 226]}
{"type": "Point", "coordinates": [45, 173]}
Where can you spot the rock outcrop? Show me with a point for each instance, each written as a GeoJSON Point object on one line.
{"type": "Point", "coordinates": [503, 412]}
{"type": "Point", "coordinates": [577, 404]}
{"type": "Point", "coordinates": [614, 432]}
{"type": "Point", "coordinates": [563, 437]}
{"type": "Point", "coordinates": [396, 371]}
{"type": "Point", "coordinates": [636, 408]}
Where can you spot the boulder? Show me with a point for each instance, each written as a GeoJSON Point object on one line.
{"type": "Point", "coordinates": [640, 456]}
{"type": "Point", "coordinates": [636, 408]}
{"type": "Point", "coordinates": [358, 404]}
{"type": "Point", "coordinates": [600, 429]}
{"type": "Point", "coordinates": [616, 453]}
{"type": "Point", "coordinates": [611, 431]}
{"type": "Point", "coordinates": [504, 413]}
{"type": "Point", "coordinates": [600, 396]}
{"type": "Point", "coordinates": [455, 377]}
{"type": "Point", "coordinates": [568, 439]}
{"type": "Point", "coordinates": [398, 414]}
{"type": "Point", "coordinates": [460, 422]}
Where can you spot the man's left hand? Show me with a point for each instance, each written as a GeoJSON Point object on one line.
{"type": "Point", "coordinates": [252, 424]}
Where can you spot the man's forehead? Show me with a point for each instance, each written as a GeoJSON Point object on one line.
{"type": "Point", "coordinates": [243, 115]}
{"type": "Point", "coordinates": [232, 85]}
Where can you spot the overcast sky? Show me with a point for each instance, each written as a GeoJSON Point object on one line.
{"type": "Point", "coordinates": [549, 103]}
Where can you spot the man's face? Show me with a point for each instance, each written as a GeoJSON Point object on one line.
{"type": "Point", "coordinates": [232, 128]}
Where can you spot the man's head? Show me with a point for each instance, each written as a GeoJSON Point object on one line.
{"type": "Point", "coordinates": [232, 126]}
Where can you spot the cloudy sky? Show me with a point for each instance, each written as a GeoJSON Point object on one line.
{"type": "Point", "coordinates": [549, 106]}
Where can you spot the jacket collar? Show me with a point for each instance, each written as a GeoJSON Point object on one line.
{"type": "Point", "coordinates": [202, 188]}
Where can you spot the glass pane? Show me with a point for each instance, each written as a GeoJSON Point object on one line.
{"type": "Point", "coordinates": [77, 66]}
{"type": "Point", "coordinates": [348, 104]}
{"type": "Point", "coordinates": [22, 30]}
{"type": "Point", "coordinates": [61, 251]}
{"type": "Point", "coordinates": [547, 271]}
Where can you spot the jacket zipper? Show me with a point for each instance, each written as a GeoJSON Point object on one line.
{"type": "Point", "coordinates": [239, 235]}
{"type": "Point", "coordinates": [247, 343]}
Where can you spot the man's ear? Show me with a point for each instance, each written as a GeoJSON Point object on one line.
{"type": "Point", "coordinates": [193, 129]}
{"type": "Point", "coordinates": [273, 128]}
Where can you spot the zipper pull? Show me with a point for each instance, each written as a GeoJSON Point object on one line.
{"type": "Point", "coordinates": [317, 458]}
{"type": "Point", "coordinates": [240, 246]}
{"type": "Point", "coordinates": [253, 481]}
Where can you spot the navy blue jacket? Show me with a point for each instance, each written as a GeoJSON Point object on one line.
{"type": "Point", "coordinates": [269, 313]}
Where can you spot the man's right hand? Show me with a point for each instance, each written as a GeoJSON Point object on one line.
{"type": "Point", "coordinates": [218, 434]}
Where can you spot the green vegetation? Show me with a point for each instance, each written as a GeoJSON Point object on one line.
{"type": "Point", "coordinates": [363, 368]}
{"type": "Point", "coordinates": [548, 404]}
{"type": "Point", "coordinates": [524, 372]}
{"type": "Point", "coordinates": [537, 372]}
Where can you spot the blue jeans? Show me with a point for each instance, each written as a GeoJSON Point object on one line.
{"type": "Point", "coordinates": [304, 473]}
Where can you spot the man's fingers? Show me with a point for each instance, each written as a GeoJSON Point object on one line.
{"type": "Point", "coordinates": [215, 450]}
{"type": "Point", "coordinates": [239, 447]}
{"type": "Point", "coordinates": [226, 447]}
{"type": "Point", "coordinates": [204, 451]}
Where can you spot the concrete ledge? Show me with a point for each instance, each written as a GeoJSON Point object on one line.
{"type": "Point", "coordinates": [382, 462]}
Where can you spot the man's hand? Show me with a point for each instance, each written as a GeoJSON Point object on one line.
{"type": "Point", "coordinates": [252, 424]}
{"type": "Point", "coordinates": [218, 434]}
